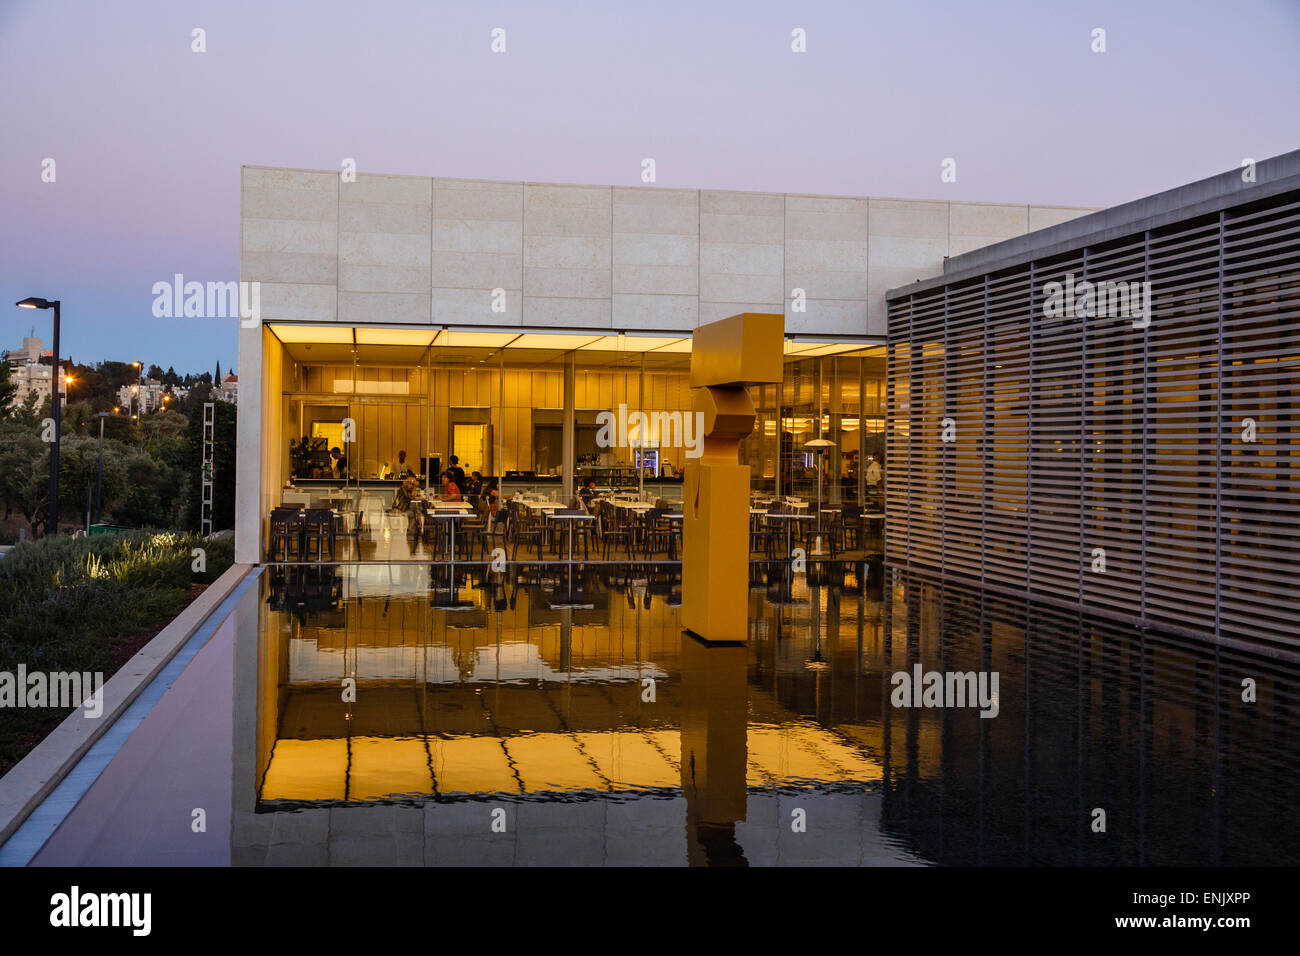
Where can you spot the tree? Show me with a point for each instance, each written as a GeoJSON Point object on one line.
{"type": "Point", "coordinates": [216, 379]}
{"type": "Point", "coordinates": [24, 472]}
{"type": "Point", "coordinates": [170, 377]}
{"type": "Point", "coordinates": [8, 387]}
{"type": "Point", "coordinates": [150, 491]}
{"type": "Point", "coordinates": [79, 473]}
{"type": "Point", "coordinates": [154, 373]}
{"type": "Point", "coordinates": [200, 392]}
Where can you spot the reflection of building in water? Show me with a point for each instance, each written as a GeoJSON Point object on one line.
{"type": "Point", "coordinates": [490, 705]}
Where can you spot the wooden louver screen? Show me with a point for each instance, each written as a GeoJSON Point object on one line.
{"type": "Point", "coordinates": [1074, 434]}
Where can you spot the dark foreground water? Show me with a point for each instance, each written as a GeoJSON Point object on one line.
{"type": "Point", "coordinates": [366, 714]}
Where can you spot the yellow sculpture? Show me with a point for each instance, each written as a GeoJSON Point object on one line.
{"type": "Point", "coordinates": [727, 356]}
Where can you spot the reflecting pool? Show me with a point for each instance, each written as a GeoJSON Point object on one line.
{"type": "Point", "coordinates": [395, 714]}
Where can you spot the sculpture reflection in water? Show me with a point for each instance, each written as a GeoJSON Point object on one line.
{"type": "Point", "coordinates": [714, 721]}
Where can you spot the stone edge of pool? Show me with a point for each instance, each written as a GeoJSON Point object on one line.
{"type": "Point", "coordinates": [34, 777]}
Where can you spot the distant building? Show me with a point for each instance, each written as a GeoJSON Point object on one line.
{"type": "Point", "coordinates": [229, 389]}
{"type": "Point", "coordinates": [149, 396]}
{"type": "Point", "coordinates": [27, 372]}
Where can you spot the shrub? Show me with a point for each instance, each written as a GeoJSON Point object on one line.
{"type": "Point", "coordinates": [64, 603]}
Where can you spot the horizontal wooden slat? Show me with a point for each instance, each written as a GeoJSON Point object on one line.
{"type": "Point", "coordinates": [1073, 434]}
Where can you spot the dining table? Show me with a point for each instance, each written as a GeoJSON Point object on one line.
{"type": "Point", "coordinates": [570, 518]}
{"type": "Point", "coordinates": [790, 518]}
{"type": "Point", "coordinates": [449, 514]}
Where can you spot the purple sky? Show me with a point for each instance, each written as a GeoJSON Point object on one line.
{"type": "Point", "coordinates": [148, 137]}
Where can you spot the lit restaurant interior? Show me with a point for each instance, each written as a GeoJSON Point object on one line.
{"type": "Point", "coordinates": [400, 402]}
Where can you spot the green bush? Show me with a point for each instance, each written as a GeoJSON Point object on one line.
{"type": "Point", "coordinates": [64, 603]}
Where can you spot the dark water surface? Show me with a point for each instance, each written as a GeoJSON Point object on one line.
{"type": "Point", "coordinates": [539, 718]}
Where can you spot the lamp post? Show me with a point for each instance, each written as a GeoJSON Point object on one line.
{"type": "Point", "coordinates": [99, 487]}
{"type": "Point", "coordinates": [52, 514]}
{"type": "Point", "coordinates": [819, 445]}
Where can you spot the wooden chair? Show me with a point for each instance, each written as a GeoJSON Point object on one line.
{"type": "Point", "coordinates": [493, 535]}
{"type": "Point", "coordinates": [613, 531]}
{"type": "Point", "coordinates": [286, 527]}
{"type": "Point", "coordinates": [318, 526]}
{"type": "Point", "coordinates": [523, 528]}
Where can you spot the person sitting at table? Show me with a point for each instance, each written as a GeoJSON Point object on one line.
{"type": "Point", "coordinates": [450, 490]}
{"type": "Point", "coordinates": [406, 493]}
{"type": "Point", "coordinates": [588, 492]}
{"type": "Point", "coordinates": [475, 485]}
{"type": "Point", "coordinates": [491, 499]}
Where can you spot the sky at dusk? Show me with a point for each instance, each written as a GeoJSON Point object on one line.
{"type": "Point", "coordinates": [148, 137]}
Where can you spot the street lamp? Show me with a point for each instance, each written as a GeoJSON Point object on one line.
{"type": "Point", "coordinates": [819, 445]}
{"type": "Point", "coordinates": [52, 515]}
{"type": "Point", "coordinates": [99, 488]}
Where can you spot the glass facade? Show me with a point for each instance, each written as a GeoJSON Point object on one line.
{"type": "Point", "coordinates": [401, 402]}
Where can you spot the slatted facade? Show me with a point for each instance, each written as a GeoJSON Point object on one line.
{"type": "Point", "coordinates": [1074, 438]}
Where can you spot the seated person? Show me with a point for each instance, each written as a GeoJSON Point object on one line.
{"type": "Point", "coordinates": [450, 490]}
{"type": "Point", "coordinates": [475, 485]}
{"type": "Point", "coordinates": [491, 498]}
{"type": "Point", "coordinates": [587, 493]}
{"type": "Point", "coordinates": [338, 463]}
{"type": "Point", "coordinates": [406, 493]}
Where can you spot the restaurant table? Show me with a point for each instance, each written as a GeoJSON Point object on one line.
{"type": "Point", "coordinates": [571, 517]}
{"type": "Point", "coordinates": [450, 516]}
{"type": "Point", "coordinates": [789, 519]}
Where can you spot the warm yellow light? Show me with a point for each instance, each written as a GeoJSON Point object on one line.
{"type": "Point", "coordinates": [67, 379]}
{"type": "Point", "coordinates": [681, 345]}
{"type": "Point", "coordinates": [416, 337]}
{"type": "Point", "coordinates": [546, 340]}
{"type": "Point", "coordinates": [630, 343]}
{"type": "Point", "coordinates": [313, 334]}
{"type": "Point", "coordinates": [456, 338]}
